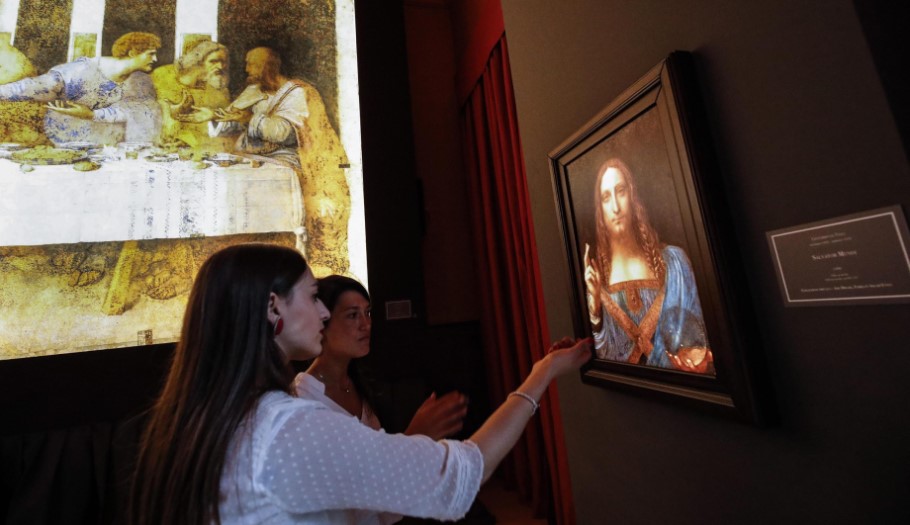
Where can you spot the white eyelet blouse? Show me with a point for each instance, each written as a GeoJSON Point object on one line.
{"type": "Point", "coordinates": [296, 461]}
{"type": "Point", "coordinates": [307, 386]}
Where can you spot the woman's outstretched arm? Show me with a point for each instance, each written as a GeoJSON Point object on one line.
{"type": "Point", "coordinates": [501, 430]}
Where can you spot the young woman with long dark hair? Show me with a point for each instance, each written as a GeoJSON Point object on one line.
{"type": "Point", "coordinates": [228, 443]}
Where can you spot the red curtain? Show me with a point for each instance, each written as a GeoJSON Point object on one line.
{"type": "Point", "coordinates": [513, 316]}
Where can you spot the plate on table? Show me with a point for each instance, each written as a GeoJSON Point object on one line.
{"type": "Point", "coordinates": [226, 159]}
{"type": "Point", "coordinates": [81, 145]}
{"type": "Point", "coordinates": [133, 146]}
{"type": "Point", "coordinates": [46, 155]}
{"type": "Point", "coordinates": [161, 157]}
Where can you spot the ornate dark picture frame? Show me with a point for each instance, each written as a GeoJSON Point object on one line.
{"type": "Point", "coordinates": [673, 318]}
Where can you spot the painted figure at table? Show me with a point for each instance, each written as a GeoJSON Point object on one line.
{"type": "Point", "coordinates": [285, 119]}
{"type": "Point", "coordinates": [642, 299]}
{"type": "Point", "coordinates": [20, 122]}
{"type": "Point", "coordinates": [189, 91]}
{"type": "Point", "coordinates": [105, 101]}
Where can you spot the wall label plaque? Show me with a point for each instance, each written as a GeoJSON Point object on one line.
{"type": "Point", "coordinates": [854, 259]}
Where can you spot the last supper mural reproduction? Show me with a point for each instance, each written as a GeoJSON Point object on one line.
{"type": "Point", "coordinates": [138, 138]}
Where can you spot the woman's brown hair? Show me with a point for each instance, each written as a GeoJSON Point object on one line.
{"type": "Point", "coordinates": [330, 289]}
{"type": "Point", "coordinates": [225, 360]}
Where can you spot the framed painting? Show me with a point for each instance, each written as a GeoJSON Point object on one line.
{"type": "Point", "coordinates": [137, 138]}
{"type": "Point", "coordinates": [654, 274]}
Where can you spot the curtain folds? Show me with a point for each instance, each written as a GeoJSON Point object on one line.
{"type": "Point", "coordinates": [513, 316]}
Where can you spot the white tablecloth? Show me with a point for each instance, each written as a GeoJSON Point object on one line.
{"type": "Point", "coordinates": [138, 199]}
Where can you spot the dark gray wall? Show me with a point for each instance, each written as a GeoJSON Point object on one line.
{"type": "Point", "coordinates": [803, 132]}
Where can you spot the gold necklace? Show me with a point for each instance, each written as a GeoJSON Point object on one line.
{"type": "Point", "coordinates": [347, 389]}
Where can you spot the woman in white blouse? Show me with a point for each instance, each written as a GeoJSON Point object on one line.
{"type": "Point", "coordinates": [228, 443]}
{"type": "Point", "coordinates": [336, 378]}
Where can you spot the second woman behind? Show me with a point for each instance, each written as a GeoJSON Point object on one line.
{"type": "Point", "coordinates": [336, 377]}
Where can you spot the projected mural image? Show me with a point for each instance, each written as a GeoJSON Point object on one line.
{"type": "Point", "coordinates": [136, 140]}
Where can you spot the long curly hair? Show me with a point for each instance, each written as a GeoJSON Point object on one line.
{"type": "Point", "coordinates": [137, 41]}
{"type": "Point", "coordinates": [225, 361]}
{"type": "Point", "coordinates": [645, 234]}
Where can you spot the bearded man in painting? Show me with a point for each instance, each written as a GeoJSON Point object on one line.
{"type": "Point", "coordinates": [285, 121]}
{"type": "Point", "coordinates": [189, 91]}
{"type": "Point", "coordinates": [642, 299]}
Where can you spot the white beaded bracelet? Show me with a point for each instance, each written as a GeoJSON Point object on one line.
{"type": "Point", "coordinates": [529, 399]}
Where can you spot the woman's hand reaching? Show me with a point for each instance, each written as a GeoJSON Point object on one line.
{"type": "Point", "coordinates": [500, 432]}
{"type": "Point", "coordinates": [439, 418]}
{"type": "Point", "coordinates": [565, 355]}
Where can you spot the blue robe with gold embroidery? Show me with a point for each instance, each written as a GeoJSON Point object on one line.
{"type": "Point", "coordinates": [646, 320]}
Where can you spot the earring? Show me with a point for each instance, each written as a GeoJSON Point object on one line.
{"type": "Point", "coordinates": [279, 326]}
